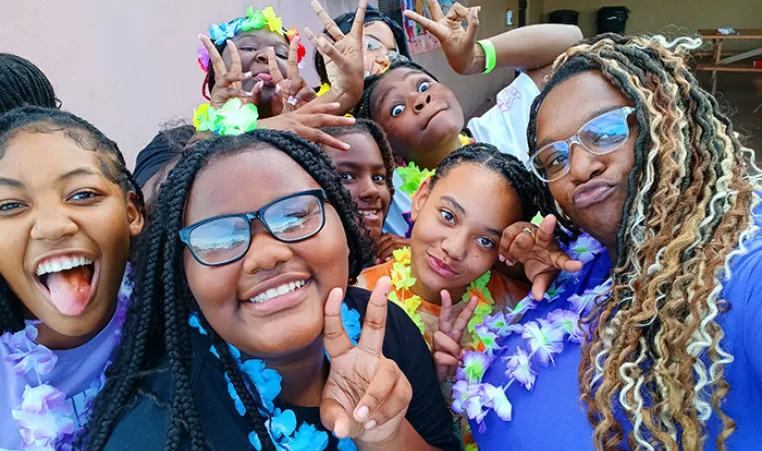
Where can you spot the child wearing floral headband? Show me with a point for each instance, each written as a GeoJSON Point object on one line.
{"type": "Point", "coordinates": [69, 210]}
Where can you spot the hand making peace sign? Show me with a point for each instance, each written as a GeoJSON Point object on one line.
{"type": "Point", "coordinates": [227, 82]}
{"type": "Point", "coordinates": [291, 92]}
{"type": "Point", "coordinates": [366, 395]}
{"type": "Point", "coordinates": [448, 353]}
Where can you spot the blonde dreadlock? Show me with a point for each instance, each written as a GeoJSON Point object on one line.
{"type": "Point", "coordinates": [655, 353]}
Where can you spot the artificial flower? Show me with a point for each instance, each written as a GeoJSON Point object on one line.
{"type": "Point", "coordinates": [307, 438]}
{"type": "Point", "coordinates": [519, 368]}
{"type": "Point", "coordinates": [585, 248]}
{"type": "Point", "coordinates": [346, 444]}
{"type": "Point", "coordinates": [351, 320]}
{"type": "Point", "coordinates": [412, 177]}
{"type": "Point", "coordinates": [275, 23]}
{"type": "Point", "coordinates": [461, 391]}
{"type": "Point", "coordinates": [301, 52]}
{"type": "Point", "coordinates": [401, 278]}
{"type": "Point", "coordinates": [203, 58]}
{"type": "Point", "coordinates": [255, 441]}
{"type": "Point", "coordinates": [495, 399]}
{"type": "Point", "coordinates": [221, 33]}
{"type": "Point", "coordinates": [281, 423]}
{"type": "Point", "coordinates": [475, 364]}
{"type": "Point", "coordinates": [479, 289]}
{"type": "Point", "coordinates": [22, 338]}
{"type": "Point", "coordinates": [38, 358]}
{"type": "Point", "coordinates": [568, 322]}
{"type": "Point", "coordinates": [554, 292]}
{"type": "Point", "coordinates": [522, 307]}
{"type": "Point", "coordinates": [403, 255]}
{"type": "Point", "coordinates": [254, 20]}
{"type": "Point", "coordinates": [204, 118]}
{"type": "Point", "coordinates": [235, 118]}
{"type": "Point", "coordinates": [486, 337]}
{"type": "Point", "coordinates": [239, 407]}
{"type": "Point", "coordinates": [544, 340]}
{"type": "Point", "coordinates": [195, 323]}
{"type": "Point", "coordinates": [267, 380]}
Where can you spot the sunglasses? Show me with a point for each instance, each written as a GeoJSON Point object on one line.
{"type": "Point", "coordinates": [599, 136]}
{"type": "Point", "coordinates": [224, 239]}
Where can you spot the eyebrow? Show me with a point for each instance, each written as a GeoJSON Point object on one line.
{"type": "Point", "coordinates": [587, 119]}
{"type": "Point", "coordinates": [462, 210]}
{"type": "Point", "coordinates": [78, 173]}
{"type": "Point", "coordinates": [11, 183]}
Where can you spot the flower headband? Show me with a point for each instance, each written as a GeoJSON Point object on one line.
{"type": "Point", "coordinates": [256, 19]}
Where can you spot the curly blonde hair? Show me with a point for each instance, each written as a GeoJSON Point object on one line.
{"type": "Point", "coordinates": [655, 353]}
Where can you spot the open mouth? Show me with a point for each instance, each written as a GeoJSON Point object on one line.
{"type": "Point", "coordinates": [369, 215]}
{"type": "Point", "coordinates": [68, 281]}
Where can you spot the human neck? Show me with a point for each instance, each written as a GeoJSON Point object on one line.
{"type": "Point", "coordinates": [304, 374]}
{"type": "Point", "coordinates": [430, 295]}
{"type": "Point", "coordinates": [431, 159]}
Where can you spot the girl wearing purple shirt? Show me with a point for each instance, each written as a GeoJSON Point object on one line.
{"type": "Point", "coordinates": [654, 343]}
{"type": "Point", "coordinates": [69, 210]}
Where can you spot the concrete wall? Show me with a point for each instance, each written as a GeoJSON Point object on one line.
{"type": "Point", "coordinates": [129, 66]}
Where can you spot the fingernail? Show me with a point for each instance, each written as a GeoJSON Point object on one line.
{"type": "Point", "coordinates": [501, 258]}
{"type": "Point", "coordinates": [509, 262]}
{"type": "Point", "coordinates": [361, 413]}
{"type": "Point", "coordinates": [248, 74]}
{"type": "Point", "coordinates": [370, 425]}
{"type": "Point", "coordinates": [277, 89]}
{"type": "Point", "coordinates": [346, 146]}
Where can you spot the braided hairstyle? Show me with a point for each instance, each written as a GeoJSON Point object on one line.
{"type": "Point", "coordinates": [363, 108]}
{"type": "Point", "coordinates": [34, 119]}
{"type": "Point", "coordinates": [370, 128]}
{"type": "Point", "coordinates": [655, 351]}
{"type": "Point", "coordinates": [514, 172]}
{"type": "Point", "coordinates": [23, 83]}
{"type": "Point", "coordinates": [156, 325]}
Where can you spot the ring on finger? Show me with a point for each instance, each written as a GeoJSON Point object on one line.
{"type": "Point", "coordinates": [530, 231]}
{"type": "Point", "coordinates": [292, 100]}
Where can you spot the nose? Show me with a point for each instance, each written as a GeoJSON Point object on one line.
{"type": "Point", "coordinates": [368, 190]}
{"type": "Point", "coordinates": [265, 252]}
{"type": "Point", "coordinates": [419, 100]}
{"type": "Point", "coordinates": [583, 165]}
{"type": "Point", "coordinates": [456, 245]}
{"type": "Point", "coordinates": [261, 56]}
{"type": "Point", "coordinates": [53, 227]}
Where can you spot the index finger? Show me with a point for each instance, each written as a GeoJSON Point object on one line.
{"type": "Point", "coordinates": [328, 23]}
{"type": "Point", "coordinates": [335, 337]}
{"type": "Point", "coordinates": [272, 64]}
{"type": "Point", "coordinates": [235, 58]}
{"type": "Point", "coordinates": [292, 72]}
{"type": "Point", "coordinates": [374, 325]}
{"type": "Point", "coordinates": [461, 322]}
{"type": "Point", "coordinates": [218, 64]}
{"type": "Point", "coordinates": [445, 314]}
{"type": "Point", "coordinates": [358, 25]}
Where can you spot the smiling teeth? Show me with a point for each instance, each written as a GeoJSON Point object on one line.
{"type": "Point", "coordinates": [367, 212]}
{"type": "Point", "coordinates": [61, 264]}
{"type": "Point", "coordinates": [279, 291]}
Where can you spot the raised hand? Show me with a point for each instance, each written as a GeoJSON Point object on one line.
{"type": "Point", "coordinates": [344, 61]}
{"type": "Point", "coordinates": [538, 250]}
{"type": "Point", "coordinates": [386, 244]}
{"type": "Point", "coordinates": [448, 353]}
{"type": "Point", "coordinates": [459, 45]}
{"type": "Point", "coordinates": [227, 81]}
{"type": "Point", "coordinates": [366, 395]}
{"type": "Point", "coordinates": [307, 122]}
{"type": "Point", "coordinates": [291, 92]}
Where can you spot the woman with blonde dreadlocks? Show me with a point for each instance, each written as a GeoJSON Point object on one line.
{"type": "Point", "coordinates": [666, 308]}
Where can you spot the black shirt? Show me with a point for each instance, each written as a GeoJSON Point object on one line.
{"type": "Point", "coordinates": [144, 427]}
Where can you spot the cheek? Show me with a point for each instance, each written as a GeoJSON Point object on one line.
{"type": "Point", "coordinates": [479, 261]}
{"type": "Point", "coordinates": [212, 287]}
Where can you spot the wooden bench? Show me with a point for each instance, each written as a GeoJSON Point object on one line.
{"type": "Point", "coordinates": [730, 63]}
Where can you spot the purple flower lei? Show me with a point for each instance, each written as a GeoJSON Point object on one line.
{"type": "Point", "coordinates": [44, 417]}
{"type": "Point", "coordinates": [544, 338]}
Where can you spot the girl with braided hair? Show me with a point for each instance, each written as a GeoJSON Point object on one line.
{"type": "Point", "coordinates": [69, 211]}
{"type": "Point", "coordinates": [635, 153]}
{"type": "Point", "coordinates": [23, 83]}
{"type": "Point", "coordinates": [235, 338]}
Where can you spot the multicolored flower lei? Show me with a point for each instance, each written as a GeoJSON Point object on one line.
{"type": "Point", "coordinates": [544, 338]}
{"type": "Point", "coordinates": [256, 19]}
{"type": "Point", "coordinates": [234, 118]}
{"type": "Point", "coordinates": [403, 281]}
{"type": "Point", "coordinates": [281, 424]}
{"type": "Point", "coordinates": [45, 417]}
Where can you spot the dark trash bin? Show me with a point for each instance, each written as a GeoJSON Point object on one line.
{"type": "Point", "coordinates": [566, 16]}
{"type": "Point", "coordinates": [612, 19]}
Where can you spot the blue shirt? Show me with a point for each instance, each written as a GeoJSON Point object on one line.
{"type": "Point", "coordinates": [551, 416]}
{"type": "Point", "coordinates": [395, 223]}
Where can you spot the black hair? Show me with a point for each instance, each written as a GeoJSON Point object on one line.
{"type": "Point", "coordinates": [363, 108]}
{"type": "Point", "coordinates": [164, 148]}
{"type": "Point", "coordinates": [514, 172]}
{"type": "Point", "coordinates": [345, 22]}
{"type": "Point", "coordinates": [47, 120]}
{"type": "Point", "coordinates": [23, 83]}
{"type": "Point", "coordinates": [156, 326]}
{"type": "Point", "coordinates": [370, 128]}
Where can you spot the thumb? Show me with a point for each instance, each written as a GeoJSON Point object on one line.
{"type": "Point", "coordinates": [334, 417]}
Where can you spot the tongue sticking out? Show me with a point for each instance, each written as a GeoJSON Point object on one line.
{"type": "Point", "coordinates": [70, 290]}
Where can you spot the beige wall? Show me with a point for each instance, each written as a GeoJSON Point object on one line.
{"type": "Point", "coordinates": [668, 16]}
{"type": "Point", "coordinates": [130, 65]}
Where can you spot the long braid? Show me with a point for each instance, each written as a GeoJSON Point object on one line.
{"type": "Point", "coordinates": [655, 352]}
{"type": "Point", "coordinates": [157, 326]}
{"type": "Point", "coordinates": [23, 83]}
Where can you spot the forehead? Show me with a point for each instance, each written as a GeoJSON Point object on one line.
{"type": "Point", "coordinates": [573, 102]}
{"type": "Point", "coordinates": [363, 151]}
{"type": "Point", "coordinates": [245, 181]}
{"type": "Point", "coordinates": [262, 37]}
{"type": "Point", "coordinates": [381, 31]}
{"type": "Point", "coordinates": [33, 155]}
{"type": "Point", "coordinates": [397, 80]}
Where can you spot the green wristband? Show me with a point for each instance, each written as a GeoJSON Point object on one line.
{"type": "Point", "coordinates": [490, 56]}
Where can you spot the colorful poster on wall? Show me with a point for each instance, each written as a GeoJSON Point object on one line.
{"type": "Point", "coordinates": [419, 40]}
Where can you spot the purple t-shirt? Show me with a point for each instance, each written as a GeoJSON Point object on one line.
{"type": "Point", "coordinates": [77, 373]}
{"type": "Point", "coordinates": [551, 416]}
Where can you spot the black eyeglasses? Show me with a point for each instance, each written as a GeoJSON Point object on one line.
{"type": "Point", "coordinates": [599, 136]}
{"type": "Point", "coordinates": [224, 239]}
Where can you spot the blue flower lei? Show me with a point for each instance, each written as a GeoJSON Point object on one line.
{"type": "Point", "coordinates": [281, 424]}
{"type": "Point", "coordinates": [544, 338]}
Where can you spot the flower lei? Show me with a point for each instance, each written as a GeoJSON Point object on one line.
{"type": "Point", "coordinates": [402, 281]}
{"type": "Point", "coordinates": [256, 19]}
{"type": "Point", "coordinates": [544, 338]}
{"type": "Point", "coordinates": [281, 424]}
{"type": "Point", "coordinates": [234, 118]}
{"type": "Point", "coordinates": [45, 418]}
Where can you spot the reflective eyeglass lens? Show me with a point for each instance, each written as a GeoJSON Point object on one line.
{"type": "Point", "coordinates": [220, 240]}
{"type": "Point", "coordinates": [552, 160]}
{"type": "Point", "coordinates": [295, 218]}
{"type": "Point", "coordinates": [605, 133]}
